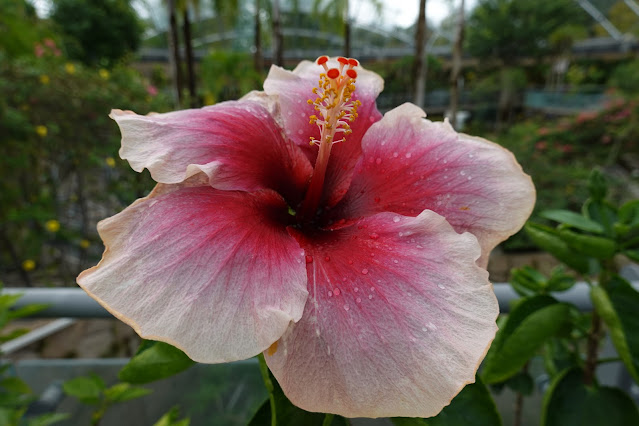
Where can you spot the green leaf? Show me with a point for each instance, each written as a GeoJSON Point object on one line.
{"type": "Point", "coordinates": [597, 185]}
{"type": "Point", "coordinates": [86, 389]}
{"type": "Point", "coordinates": [521, 382]}
{"type": "Point", "coordinates": [156, 362]}
{"type": "Point", "coordinates": [47, 419]}
{"type": "Point", "coordinates": [572, 219]}
{"type": "Point", "coordinates": [527, 278]}
{"type": "Point", "coordinates": [28, 310]}
{"type": "Point", "coordinates": [474, 406]}
{"type": "Point", "coordinates": [629, 213]}
{"type": "Point", "coordinates": [408, 421]}
{"type": "Point", "coordinates": [569, 402]}
{"type": "Point", "coordinates": [618, 305]}
{"type": "Point", "coordinates": [13, 334]}
{"type": "Point", "coordinates": [560, 281]}
{"type": "Point", "coordinates": [589, 245]}
{"type": "Point", "coordinates": [531, 323]}
{"type": "Point", "coordinates": [548, 239]}
{"type": "Point", "coordinates": [172, 418]}
{"type": "Point", "coordinates": [601, 212]}
{"type": "Point", "coordinates": [15, 385]}
{"type": "Point", "coordinates": [632, 254]}
{"type": "Point", "coordinates": [124, 392]}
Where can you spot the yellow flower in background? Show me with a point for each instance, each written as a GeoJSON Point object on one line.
{"type": "Point", "coordinates": [104, 74]}
{"type": "Point", "coordinates": [41, 131]}
{"type": "Point", "coordinates": [69, 68]}
{"type": "Point", "coordinates": [28, 265]}
{"type": "Point", "coordinates": [209, 99]}
{"type": "Point", "coordinates": [52, 225]}
{"type": "Point", "coordinates": [44, 79]}
{"type": "Point", "coordinates": [85, 244]}
{"type": "Point", "coordinates": [110, 161]}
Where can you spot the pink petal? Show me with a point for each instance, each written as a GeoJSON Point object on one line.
{"type": "Point", "coordinates": [398, 319]}
{"type": "Point", "coordinates": [294, 89]}
{"type": "Point", "coordinates": [238, 144]}
{"type": "Point", "coordinates": [410, 164]}
{"type": "Point", "coordinates": [212, 272]}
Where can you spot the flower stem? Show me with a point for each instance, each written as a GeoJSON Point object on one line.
{"type": "Point", "coordinates": [328, 420]}
{"type": "Point", "coordinates": [592, 349]}
{"type": "Point", "coordinates": [268, 383]}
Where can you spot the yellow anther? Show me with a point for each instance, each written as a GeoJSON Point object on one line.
{"type": "Point", "coordinates": [334, 100]}
{"type": "Point", "coordinates": [310, 102]}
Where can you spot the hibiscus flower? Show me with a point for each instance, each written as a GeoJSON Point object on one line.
{"type": "Point", "coordinates": [355, 262]}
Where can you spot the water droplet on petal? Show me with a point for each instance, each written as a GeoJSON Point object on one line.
{"type": "Point", "coordinates": [378, 161]}
{"type": "Point", "coordinates": [346, 307]}
{"type": "Point", "coordinates": [374, 236]}
{"type": "Point", "coordinates": [396, 219]}
{"type": "Point", "coordinates": [395, 261]}
{"type": "Point", "coordinates": [395, 154]}
{"type": "Point", "coordinates": [358, 300]}
{"type": "Point", "coordinates": [300, 132]}
{"type": "Point", "coordinates": [463, 173]}
{"type": "Point", "coordinates": [330, 293]}
{"type": "Point", "coordinates": [372, 288]}
{"type": "Point", "coordinates": [350, 262]}
{"type": "Point", "coordinates": [356, 289]}
{"type": "Point", "coordinates": [337, 292]}
{"type": "Point", "coordinates": [442, 286]}
{"type": "Point", "coordinates": [370, 296]}
{"type": "Point", "coordinates": [309, 258]}
{"type": "Point", "coordinates": [327, 258]}
{"type": "Point", "coordinates": [401, 234]}
{"type": "Point", "coordinates": [408, 155]}
{"type": "Point", "coordinates": [364, 271]}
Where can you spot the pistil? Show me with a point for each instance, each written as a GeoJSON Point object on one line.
{"type": "Point", "coordinates": [336, 110]}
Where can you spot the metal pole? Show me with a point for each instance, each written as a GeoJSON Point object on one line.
{"type": "Point", "coordinates": [75, 303]}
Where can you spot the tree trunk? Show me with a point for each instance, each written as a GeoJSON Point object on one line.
{"type": "Point", "coordinates": [277, 35]}
{"type": "Point", "coordinates": [174, 54]}
{"type": "Point", "coordinates": [419, 75]}
{"type": "Point", "coordinates": [504, 98]}
{"type": "Point", "coordinates": [347, 30]}
{"type": "Point", "coordinates": [257, 56]}
{"type": "Point", "coordinates": [456, 69]}
{"type": "Point", "coordinates": [190, 58]}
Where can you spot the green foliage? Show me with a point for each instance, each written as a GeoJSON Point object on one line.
{"type": "Point", "coordinates": [97, 32]}
{"type": "Point", "coordinates": [57, 149]}
{"type": "Point", "coordinates": [531, 323]}
{"type": "Point", "coordinates": [570, 402]}
{"type": "Point", "coordinates": [527, 281]}
{"type": "Point", "coordinates": [625, 78]}
{"type": "Point", "coordinates": [617, 304]}
{"type": "Point", "coordinates": [155, 361]}
{"type": "Point", "coordinates": [92, 390]}
{"type": "Point", "coordinates": [473, 406]}
{"type": "Point", "coordinates": [172, 418]}
{"type": "Point", "coordinates": [20, 28]}
{"type": "Point", "coordinates": [593, 237]}
{"type": "Point", "coordinates": [228, 76]}
{"type": "Point", "coordinates": [511, 29]}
